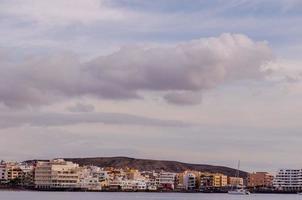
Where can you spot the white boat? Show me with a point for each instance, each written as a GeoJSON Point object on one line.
{"type": "Point", "coordinates": [239, 192]}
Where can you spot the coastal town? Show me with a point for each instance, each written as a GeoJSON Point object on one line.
{"type": "Point", "coordinates": [61, 175]}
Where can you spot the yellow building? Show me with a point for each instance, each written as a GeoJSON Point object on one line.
{"type": "Point", "coordinates": [133, 174]}
{"type": "Point", "coordinates": [224, 180]}
{"type": "Point", "coordinates": [216, 180]}
{"type": "Point", "coordinates": [220, 180]}
{"type": "Point", "coordinates": [213, 180]}
{"type": "Point", "coordinates": [13, 172]}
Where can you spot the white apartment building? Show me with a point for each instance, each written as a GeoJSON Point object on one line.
{"type": "Point", "coordinates": [288, 180]}
{"type": "Point", "coordinates": [3, 172]}
{"type": "Point", "coordinates": [56, 174]}
{"type": "Point", "coordinates": [115, 184]}
{"type": "Point", "coordinates": [189, 181]}
{"type": "Point", "coordinates": [165, 180]}
{"type": "Point", "coordinates": [151, 185]}
{"type": "Point", "coordinates": [88, 180]}
{"type": "Point", "coordinates": [90, 183]}
{"type": "Point", "coordinates": [140, 185]}
{"type": "Point", "coordinates": [127, 185]}
{"type": "Point", "coordinates": [133, 185]}
{"type": "Point", "coordinates": [100, 173]}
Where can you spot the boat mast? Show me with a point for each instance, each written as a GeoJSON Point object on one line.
{"type": "Point", "coordinates": [238, 167]}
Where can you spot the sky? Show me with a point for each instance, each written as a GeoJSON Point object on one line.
{"type": "Point", "coordinates": [199, 81]}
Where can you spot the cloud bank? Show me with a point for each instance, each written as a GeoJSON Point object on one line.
{"type": "Point", "coordinates": [179, 73]}
{"type": "Point", "coordinates": [43, 119]}
{"type": "Point", "coordinates": [80, 107]}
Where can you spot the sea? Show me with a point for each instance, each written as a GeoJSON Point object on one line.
{"type": "Point", "coordinates": [26, 195]}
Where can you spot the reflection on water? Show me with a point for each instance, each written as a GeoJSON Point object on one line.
{"type": "Point", "coordinates": [6, 195]}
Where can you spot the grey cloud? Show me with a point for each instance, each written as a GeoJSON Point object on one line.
{"type": "Point", "coordinates": [193, 66]}
{"type": "Point", "coordinates": [291, 79]}
{"type": "Point", "coordinates": [183, 98]}
{"type": "Point", "coordinates": [80, 107]}
{"type": "Point", "coordinates": [42, 119]}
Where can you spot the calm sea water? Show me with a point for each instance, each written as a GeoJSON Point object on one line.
{"type": "Point", "coordinates": [6, 195]}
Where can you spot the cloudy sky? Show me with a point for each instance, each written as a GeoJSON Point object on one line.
{"type": "Point", "coordinates": [190, 80]}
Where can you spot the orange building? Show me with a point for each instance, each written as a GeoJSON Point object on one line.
{"type": "Point", "coordinates": [235, 181]}
{"type": "Point", "coordinates": [260, 179]}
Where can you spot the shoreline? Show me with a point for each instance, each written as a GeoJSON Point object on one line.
{"type": "Point", "coordinates": [108, 191]}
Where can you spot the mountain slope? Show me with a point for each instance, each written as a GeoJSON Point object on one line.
{"type": "Point", "coordinates": [145, 164]}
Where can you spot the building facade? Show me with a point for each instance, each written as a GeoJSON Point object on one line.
{"type": "Point", "coordinates": [213, 180]}
{"type": "Point", "coordinates": [56, 174]}
{"type": "Point", "coordinates": [260, 179]}
{"type": "Point", "coordinates": [13, 171]}
{"type": "Point", "coordinates": [166, 180]}
{"type": "Point", "coordinates": [189, 181]}
{"type": "Point", "coordinates": [235, 181]}
{"type": "Point", "coordinates": [288, 180]}
{"type": "Point", "coordinates": [3, 172]}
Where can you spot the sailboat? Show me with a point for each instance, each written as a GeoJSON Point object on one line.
{"type": "Point", "coordinates": [239, 190]}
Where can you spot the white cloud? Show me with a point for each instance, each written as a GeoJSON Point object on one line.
{"type": "Point", "coordinates": [284, 69]}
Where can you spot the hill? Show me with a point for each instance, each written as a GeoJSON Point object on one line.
{"type": "Point", "coordinates": [145, 165]}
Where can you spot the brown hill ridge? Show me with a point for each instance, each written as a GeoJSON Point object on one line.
{"type": "Point", "coordinates": [146, 165]}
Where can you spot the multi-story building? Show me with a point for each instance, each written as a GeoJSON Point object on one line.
{"type": "Point", "coordinates": [216, 180]}
{"type": "Point", "coordinates": [140, 185]}
{"type": "Point", "coordinates": [213, 180]}
{"type": "Point", "coordinates": [206, 180]}
{"type": "Point", "coordinates": [127, 185]}
{"type": "Point", "coordinates": [235, 181]}
{"type": "Point", "coordinates": [89, 179]}
{"type": "Point", "coordinates": [223, 180]}
{"type": "Point", "coordinates": [150, 177]}
{"type": "Point", "coordinates": [43, 178]}
{"type": "Point", "coordinates": [96, 172]}
{"type": "Point", "coordinates": [90, 183]}
{"type": "Point", "coordinates": [260, 179]}
{"type": "Point", "coordinates": [10, 171]}
{"type": "Point", "coordinates": [151, 185]}
{"type": "Point", "coordinates": [134, 185]}
{"type": "Point", "coordinates": [13, 171]}
{"type": "Point", "coordinates": [103, 175]}
{"type": "Point", "coordinates": [3, 172]}
{"type": "Point", "coordinates": [115, 184]}
{"type": "Point", "coordinates": [27, 178]}
{"type": "Point", "coordinates": [133, 174]}
{"type": "Point", "coordinates": [288, 180]}
{"type": "Point", "coordinates": [166, 180]}
{"type": "Point", "coordinates": [58, 174]}
{"type": "Point", "coordinates": [189, 181]}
